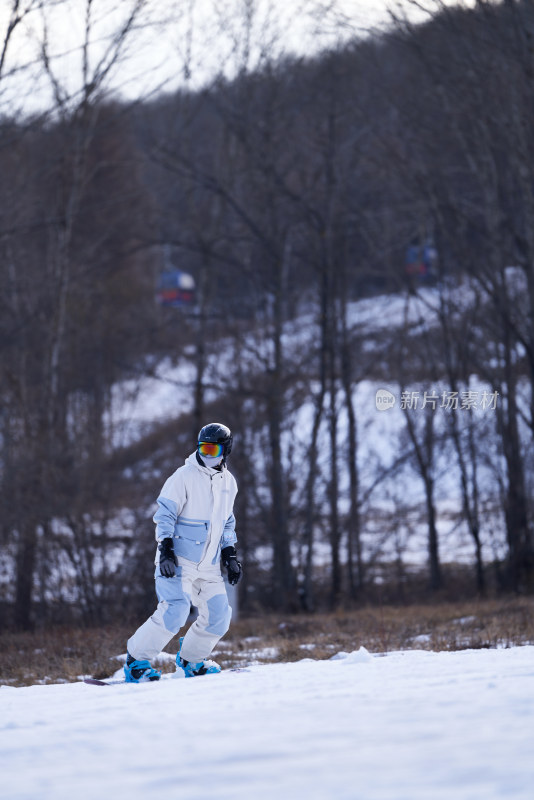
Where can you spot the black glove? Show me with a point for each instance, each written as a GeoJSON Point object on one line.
{"type": "Point", "coordinates": [167, 559]}
{"type": "Point", "coordinates": [233, 566]}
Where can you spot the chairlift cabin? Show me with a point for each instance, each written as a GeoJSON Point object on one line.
{"type": "Point", "coordinates": [421, 259]}
{"type": "Point", "coordinates": [175, 289]}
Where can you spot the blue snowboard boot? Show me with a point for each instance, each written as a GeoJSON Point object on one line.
{"type": "Point", "coordinates": [139, 671]}
{"type": "Point", "coordinates": [191, 670]}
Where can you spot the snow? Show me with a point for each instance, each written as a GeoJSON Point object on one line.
{"type": "Point", "coordinates": [138, 405]}
{"type": "Point", "coordinates": [408, 725]}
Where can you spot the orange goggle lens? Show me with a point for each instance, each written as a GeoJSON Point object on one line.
{"type": "Point", "coordinates": [210, 449]}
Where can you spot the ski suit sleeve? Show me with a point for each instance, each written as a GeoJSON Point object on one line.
{"type": "Point", "coordinates": [229, 536]}
{"type": "Point", "coordinates": [170, 503]}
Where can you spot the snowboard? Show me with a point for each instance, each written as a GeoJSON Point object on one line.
{"type": "Point", "coordinates": [118, 681]}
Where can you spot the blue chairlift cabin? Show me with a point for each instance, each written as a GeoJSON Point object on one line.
{"type": "Point", "coordinates": [421, 259]}
{"type": "Point", "coordinates": [175, 288]}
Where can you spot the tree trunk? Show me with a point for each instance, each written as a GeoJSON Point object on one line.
{"type": "Point", "coordinates": [354, 546]}
{"type": "Point", "coordinates": [25, 566]}
{"type": "Point", "coordinates": [436, 580]}
{"type": "Point", "coordinates": [283, 577]}
{"type": "Point", "coordinates": [308, 595]}
{"type": "Point", "coordinates": [335, 534]}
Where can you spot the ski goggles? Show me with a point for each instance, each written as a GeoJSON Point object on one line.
{"type": "Point", "coordinates": [212, 449]}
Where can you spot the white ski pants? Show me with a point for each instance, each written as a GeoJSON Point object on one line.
{"type": "Point", "coordinates": [176, 595]}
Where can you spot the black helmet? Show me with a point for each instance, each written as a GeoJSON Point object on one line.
{"type": "Point", "coordinates": [217, 433]}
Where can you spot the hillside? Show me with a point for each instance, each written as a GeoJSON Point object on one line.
{"type": "Point", "coordinates": [288, 194]}
{"type": "Point", "coordinates": [147, 412]}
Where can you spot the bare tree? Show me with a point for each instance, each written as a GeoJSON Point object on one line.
{"type": "Point", "coordinates": [56, 265]}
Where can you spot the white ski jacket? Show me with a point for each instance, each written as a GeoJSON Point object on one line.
{"type": "Point", "coordinates": [195, 509]}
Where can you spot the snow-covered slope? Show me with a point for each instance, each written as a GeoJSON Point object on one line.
{"type": "Point", "coordinates": [166, 391]}
{"type": "Point", "coordinates": [411, 725]}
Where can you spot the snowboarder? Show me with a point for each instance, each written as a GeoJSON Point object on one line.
{"type": "Point", "coordinates": [195, 530]}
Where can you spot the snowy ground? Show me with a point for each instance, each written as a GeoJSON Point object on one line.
{"type": "Point", "coordinates": [412, 725]}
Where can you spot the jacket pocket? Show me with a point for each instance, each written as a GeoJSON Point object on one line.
{"type": "Point", "coordinates": [190, 538]}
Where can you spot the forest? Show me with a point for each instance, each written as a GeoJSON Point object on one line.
{"type": "Point", "coordinates": [392, 173]}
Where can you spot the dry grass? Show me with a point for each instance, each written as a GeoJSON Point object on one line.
{"type": "Point", "coordinates": [61, 654]}
{"type": "Point", "coordinates": [66, 654]}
